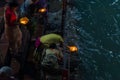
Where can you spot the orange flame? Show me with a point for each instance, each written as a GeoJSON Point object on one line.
{"type": "Point", "coordinates": [73, 48]}
{"type": "Point", "coordinates": [24, 20]}
{"type": "Point", "coordinates": [42, 10]}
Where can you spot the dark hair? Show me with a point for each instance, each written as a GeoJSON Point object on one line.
{"type": "Point", "coordinates": [13, 3]}
{"type": "Point", "coordinates": [53, 45]}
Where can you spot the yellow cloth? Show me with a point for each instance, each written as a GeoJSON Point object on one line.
{"type": "Point", "coordinates": [51, 38]}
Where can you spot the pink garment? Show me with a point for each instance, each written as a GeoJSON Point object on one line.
{"type": "Point", "coordinates": [37, 42]}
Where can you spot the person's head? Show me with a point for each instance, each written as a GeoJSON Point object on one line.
{"type": "Point", "coordinates": [53, 46]}
{"type": "Point", "coordinates": [13, 4]}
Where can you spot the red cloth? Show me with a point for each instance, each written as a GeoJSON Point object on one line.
{"type": "Point", "coordinates": [10, 17]}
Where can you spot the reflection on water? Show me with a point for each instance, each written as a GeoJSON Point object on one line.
{"type": "Point", "coordinates": [95, 24]}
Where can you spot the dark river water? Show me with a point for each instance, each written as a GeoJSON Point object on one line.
{"type": "Point", "coordinates": [96, 28]}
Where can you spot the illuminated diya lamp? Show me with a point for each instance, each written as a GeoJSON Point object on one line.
{"type": "Point", "coordinates": [24, 20]}
{"type": "Point", "coordinates": [42, 10]}
{"type": "Point", "coordinates": [73, 49]}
